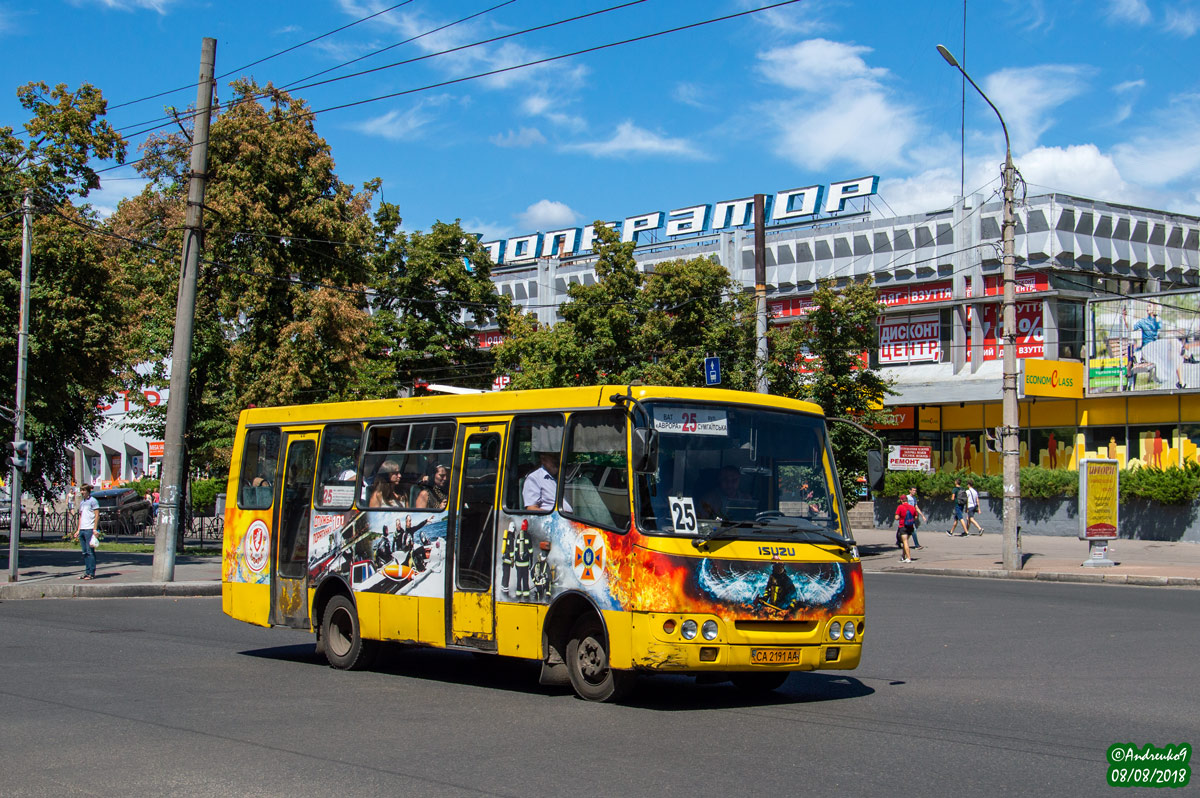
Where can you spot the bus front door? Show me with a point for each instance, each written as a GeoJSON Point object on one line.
{"type": "Point", "coordinates": [470, 616]}
{"type": "Point", "coordinates": [289, 577]}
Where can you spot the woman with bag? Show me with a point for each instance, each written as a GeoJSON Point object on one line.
{"type": "Point", "coordinates": [89, 508]}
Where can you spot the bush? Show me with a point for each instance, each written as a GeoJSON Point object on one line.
{"type": "Point", "coordinates": [1172, 485]}
{"type": "Point", "coordinates": [938, 485]}
{"type": "Point", "coordinates": [1047, 483]}
{"type": "Point", "coordinates": [204, 495]}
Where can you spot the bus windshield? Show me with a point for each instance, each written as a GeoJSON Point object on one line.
{"type": "Point", "coordinates": [730, 468]}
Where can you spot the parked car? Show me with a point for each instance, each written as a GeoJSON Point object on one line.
{"type": "Point", "coordinates": [122, 511]}
{"type": "Point", "coordinates": [6, 513]}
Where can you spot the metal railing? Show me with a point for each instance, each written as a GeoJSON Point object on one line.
{"type": "Point", "coordinates": [48, 525]}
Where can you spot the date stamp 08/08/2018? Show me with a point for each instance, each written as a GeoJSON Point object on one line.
{"type": "Point", "coordinates": [1149, 765]}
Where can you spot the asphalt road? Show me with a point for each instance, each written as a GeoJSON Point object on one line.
{"type": "Point", "coordinates": [968, 687]}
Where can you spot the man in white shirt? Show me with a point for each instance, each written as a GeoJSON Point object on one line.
{"type": "Point", "coordinates": [973, 507]}
{"type": "Point", "coordinates": [542, 483]}
{"type": "Point", "coordinates": [89, 508]}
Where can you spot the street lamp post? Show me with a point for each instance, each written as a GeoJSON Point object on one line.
{"type": "Point", "coordinates": [1011, 544]}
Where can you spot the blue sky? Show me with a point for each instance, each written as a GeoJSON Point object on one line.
{"type": "Point", "coordinates": [1102, 98]}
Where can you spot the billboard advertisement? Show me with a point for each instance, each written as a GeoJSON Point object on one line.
{"type": "Point", "coordinates": [1138, 344]}
{"type": "Point", "coordinates": [910, 339]}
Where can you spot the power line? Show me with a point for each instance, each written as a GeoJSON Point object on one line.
{"type": "Point", "coordinates": [192, 85]}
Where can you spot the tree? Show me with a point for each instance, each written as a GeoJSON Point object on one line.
{"type": "Point", "coordinates": [820, 359]}
{"type": "Point", "coordinates": [282, 302]}
{"type": "Point", "coordinates": [655, 327]}
{"type": "Point", "coordinates": [433, 291]}
{"type": "Point", "coordinates": [76, 322]}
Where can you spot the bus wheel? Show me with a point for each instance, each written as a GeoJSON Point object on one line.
{"type": "Point", "coordinates": [587, 664]}
{"type": "Point", "coordinates": [344, 646]}
{"type": "Point", "coordinates": [759, 682]}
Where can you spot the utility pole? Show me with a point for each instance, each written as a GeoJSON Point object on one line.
{"type": "Point", "coordinates": [760, 290]}
{"type": "Point", "coordinates": [14, 484]}
{"type": "Point", "coordinates": [1011, 430]}
{"type": "Point", "coordinates": [171, 491]}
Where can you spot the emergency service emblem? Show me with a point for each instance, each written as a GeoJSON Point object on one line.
{"type": "Point", "coordinates": [589, 557]}
{"type": "Point", "coordinates": [256, 545]}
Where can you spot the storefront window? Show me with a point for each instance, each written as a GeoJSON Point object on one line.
{"type": "Point", "coordinates": [1154, 445]}
{"type": "Point", "coordinates": [962, 450]}
{"type": "Point", "coordinates": [1106, 442]}
{"type": "Point", "coordinates": [1069, 319]}
{"type": "Point", "coordinates": [1052, 447]}
{"type": "Point", "coordinates": [1189, 442]}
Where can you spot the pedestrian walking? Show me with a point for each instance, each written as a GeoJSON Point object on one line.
{"type": "Point", "coordinates": [912, 500]}
{"type": "Point", "coordinates": [89, 508]}
{"type": "Point", "coordinates": [905, 518]}
{"type": "Point", "coordinates": [960, 508]}
{"type": "Point", "coordinates": [972, 507]}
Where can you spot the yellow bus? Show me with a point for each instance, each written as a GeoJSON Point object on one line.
{"type": "Point", "coordinates": [604, 531]}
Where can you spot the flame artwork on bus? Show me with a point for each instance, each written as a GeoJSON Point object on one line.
{"type": "Point", "coordinates": [604, 531]}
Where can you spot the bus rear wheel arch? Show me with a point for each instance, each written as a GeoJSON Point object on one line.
{"type": "Point", "coordinates": [341, 636]}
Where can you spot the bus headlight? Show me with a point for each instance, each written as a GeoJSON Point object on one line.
{"type": "Point", "coordinates": [848, 633]}
{"type": "Point", "coordinates": [835, 631]}
{"type": "Point", "coordinates": [709, 630]}
{"type": "Point", "coordinates": [688, 629]}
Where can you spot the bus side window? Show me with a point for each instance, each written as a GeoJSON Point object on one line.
{"type": "Point", "coordinates": [260, 459]}
{"type": "Point", "coordinates": [531, 438]}
{"type": "Point", "coordinates": [338, 471]}
{"type": "Point", "coordinates": [594, 474]}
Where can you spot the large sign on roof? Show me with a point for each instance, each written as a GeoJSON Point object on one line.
{"type": "Point", "coordinates": [784, 206]}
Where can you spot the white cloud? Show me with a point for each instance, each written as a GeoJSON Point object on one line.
{"type": "Point", "coordinates": [816, 64]}
{"type": "Point", "coordinates": [525, 137]}
{"type": "Point", "coordinates": [865, 129]}
{"type": "Point", "coordinates": [131, 5]}
{"type": "Point", "coordinates": [1077, 169]}
{"type": "Point", "coordinates": [690, 94]}
{"type": "Point", "coordinates": [842, 113]}
{"type": "Point", "coordinates": [550, 108]}
{"type": "Point", "coordinates": [547, 215]}
{"type": "Point", "coordinates": [1132, 11]}
{"type": "Point", "coordinates": [400, 125]}
{"type": "Point", "coordinates": [106, 198]}
{"type": "Point", "coordinates": [1128, 86]}
{"type": "Point", "coordinates": [489, 231]}
{"type": "Point", "coordinates": [1184, 21]}
{"type": "Point", "coordinates": [802, 18]}
{"type": "Point", "coordinates": [1166, 150]}
{"type": "Point", "coordinates": [1026, 95]}
{"type": "Point", "coordinates": [630, 140]}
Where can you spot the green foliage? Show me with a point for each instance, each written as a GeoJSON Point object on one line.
{"type": "Point", "coordinates": [819, 359]}
{"type": "Point", "coordinates": [1048, 483]}
{"type": "Point", "coordinates": [655, 327]}
{"type": "Point", "coordinates": [77, 321]}
{"type": "Point", "coordinates": [939, 484]}
{"type": "Point", "coordinates": [204, 494]}
{"type": "Point", "coordinates": [1172, 485]}
{"type": "Point", "coordinates": [144, 486]}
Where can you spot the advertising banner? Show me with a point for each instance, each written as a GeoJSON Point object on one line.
{"type": "Point", "coordinates": [910, 339]}
{"type": "Point", "coordinates": [1031, 336]}
{"type": "Point", "coordinates": [910, 458]}
{"type": "Point", "coordinates": [1144, 344]}
{"type": "Point", "coordinates": [1061, 379]}
{"type": "Point", "coordinates": [1098, 494]}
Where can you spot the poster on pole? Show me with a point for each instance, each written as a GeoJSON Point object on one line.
{"type": "Point", "coordinates": [1099, 491]}
{"type": "Point", "coordinates": [910, 458]}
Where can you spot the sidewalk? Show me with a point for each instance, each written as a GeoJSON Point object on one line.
{"type": "Point", "coordinates": [54, 573]}
{"type": "Point", "coordinates": [1046, 558]}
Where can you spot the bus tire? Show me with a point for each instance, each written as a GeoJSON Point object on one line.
{"type": "Point", "coordinates": [344, 647]}
{"type": "Point", "coordinates": [587, 664]}
{"type": "Point", "coordinates": [759, 682]}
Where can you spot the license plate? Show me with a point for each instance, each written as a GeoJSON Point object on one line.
{"type": "Point", "coordinates": [774, 656]}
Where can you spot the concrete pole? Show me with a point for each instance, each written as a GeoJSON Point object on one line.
{"type": "Point", "coordinates": [14, 484]}
{"type": "Point", "coordinates": [1011, 544]}
{"type": "Point", "coordinates": [760, 290]}
{"type": "Point", "coordinates": [172, 489]}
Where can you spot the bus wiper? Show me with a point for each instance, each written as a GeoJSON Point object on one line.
{"type": "Point", "coordinates": [728, 528]}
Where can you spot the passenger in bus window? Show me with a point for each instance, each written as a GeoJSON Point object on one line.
{"type": "Point", "coordinates": [542, 483]}
{"type": "Point", "coordinates": [387, 490]}
{"type": "Point", "coordinates": [434, 495]}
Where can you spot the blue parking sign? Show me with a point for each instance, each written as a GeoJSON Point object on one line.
{"type": "Point", "coordinates": [712, 371]}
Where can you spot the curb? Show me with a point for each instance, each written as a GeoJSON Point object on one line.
{"type": "Point", "coordinates": [1141, 580]}
{"type": "Point", "coordinates": [11, 592]}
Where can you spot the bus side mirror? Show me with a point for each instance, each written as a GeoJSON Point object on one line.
{"type": "Point", "coordinates": [645, 450]}
{"type": "Point", "coordinates": [875, 469]}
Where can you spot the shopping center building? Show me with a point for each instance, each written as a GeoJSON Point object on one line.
{"type": "Point", "coordinates": [1108, 310]}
